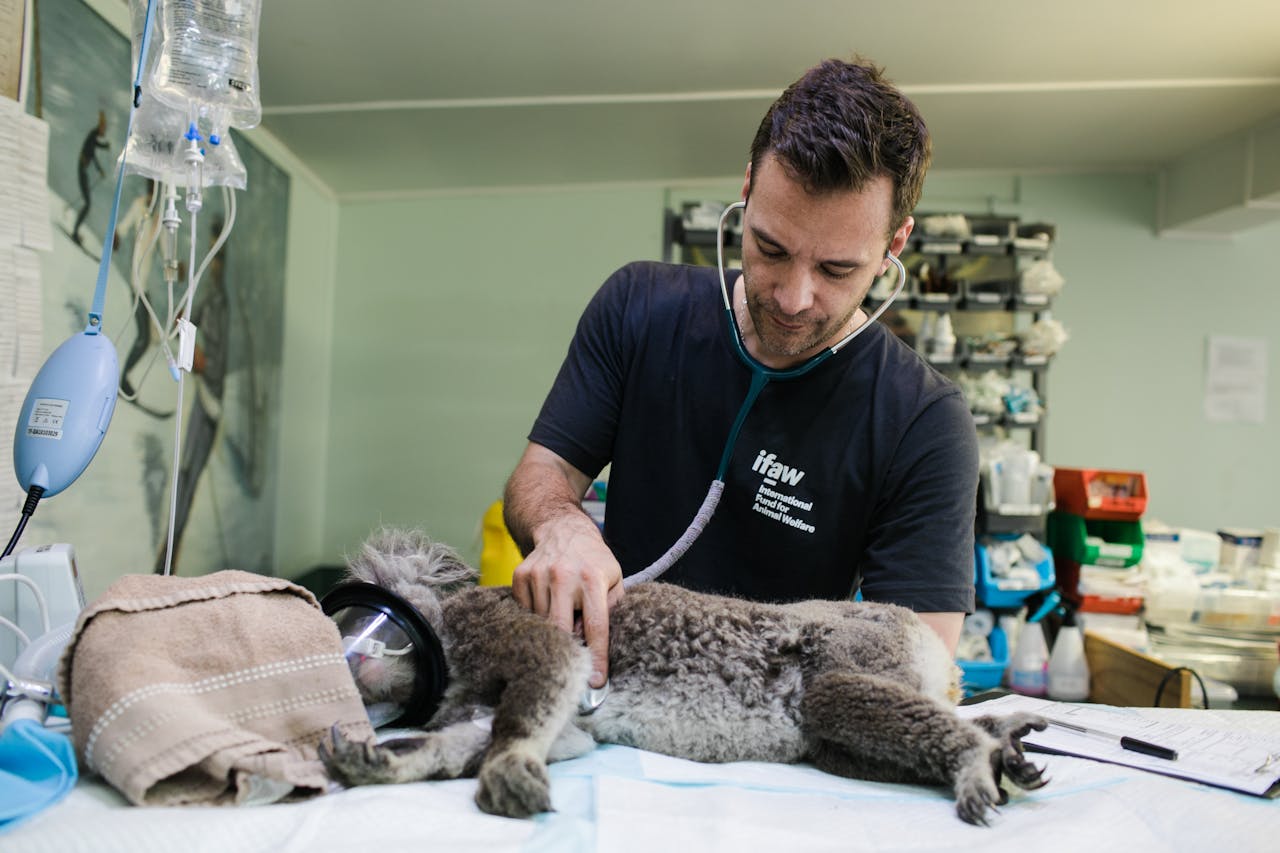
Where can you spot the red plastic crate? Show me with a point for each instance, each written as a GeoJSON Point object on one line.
{"type": "Point", "coordinates": [1100, 494]}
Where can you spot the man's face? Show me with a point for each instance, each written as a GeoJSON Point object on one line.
{"type": "Point", "coordinates": [808, 261]}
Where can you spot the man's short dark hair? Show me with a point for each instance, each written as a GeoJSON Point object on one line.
{"type": "Point", "coordinates": [843, 124]}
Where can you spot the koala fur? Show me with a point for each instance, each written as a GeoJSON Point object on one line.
{"type": "Point", "coordinates": [857, 689]}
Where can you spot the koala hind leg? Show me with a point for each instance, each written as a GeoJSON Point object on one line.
{"type": "Point", "coordinates": [872, 727]}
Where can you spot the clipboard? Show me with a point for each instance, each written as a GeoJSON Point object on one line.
{"type": "Point", "coordinates": [1242, 761]}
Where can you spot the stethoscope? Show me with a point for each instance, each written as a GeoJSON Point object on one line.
{"type": "Point", "coordinates": [761, 375]}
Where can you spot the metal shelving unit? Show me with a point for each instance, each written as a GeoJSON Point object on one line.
{"type": "Point", "coordinates": [996, 248]}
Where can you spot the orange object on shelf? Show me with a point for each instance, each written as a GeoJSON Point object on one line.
{"type": "Point", "coordinates": [1101, 495]}
{"type": "Point", "coordinates": [1127, 606]}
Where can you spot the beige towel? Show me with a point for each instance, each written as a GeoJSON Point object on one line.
{"type": "Point", "coordinates": [212, 689]}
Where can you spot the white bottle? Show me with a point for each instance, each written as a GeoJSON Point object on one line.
{"type": "Point", "coordinates": [943, 344]}
{"type": "Point", "coordinates": [1068, 667]}
{"type": "Point", "coordinates": [924, 337]}
{"type": "Point", "coordinates": [1029, 670]}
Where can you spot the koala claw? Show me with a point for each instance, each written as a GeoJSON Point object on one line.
{"type": "Point", "coordinates": [973, 807]}
{"type": "Point", "coordinates": [353, 762]}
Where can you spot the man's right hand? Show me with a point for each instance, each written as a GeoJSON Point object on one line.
{"type": "Point", "coordinates": [567, 569]}
{"type": "Point", "coordinates": [571, 570]}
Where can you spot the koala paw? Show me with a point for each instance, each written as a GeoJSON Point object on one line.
{"type": "Point", "coordinates": [1009, 732]}
{"type": "Point", "coordinates": [977, 788]}
{"type": "Point", "coordinates": [514, 784]}
{"type": "Point", "coordinates": [355, 762]}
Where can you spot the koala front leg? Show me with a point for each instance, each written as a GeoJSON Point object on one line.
{"type": "Point", "coordinates": [872, 727]}
{"type": "Point", "coordinates": [449, 753]}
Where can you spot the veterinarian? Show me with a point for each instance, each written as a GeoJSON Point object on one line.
{"type": "Point", "coordinates": [860, 474]}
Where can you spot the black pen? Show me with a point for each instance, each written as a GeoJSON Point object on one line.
{"type": "Point", "coordinates": [1130, 743]}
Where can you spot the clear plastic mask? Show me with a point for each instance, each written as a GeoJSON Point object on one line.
{"type": "Point", "coordinates": [395, 657]}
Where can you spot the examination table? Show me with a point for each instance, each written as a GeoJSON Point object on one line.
{"type": "Point", "coordinates": [623, 799]}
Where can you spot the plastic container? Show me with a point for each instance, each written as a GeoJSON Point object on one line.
{"type": "Point", "coordinates": [990, 234]}
{"type": "Point", "coordinates": [1101, 495]}
{"type": "Point", "coordinates": [1096, 542]}
{"type": "Point", "coordinates": [997, 592]}
{"type": "Point", "coordinates": [1245, 660]}
{"type": "Point", "coordinates": [1225, 609]}
{"type": "Point", "coordinates": [1239, 550]}
{"type": "Point", "coordinates": [1029, 670]}
{"type": "Point", "coordinates": [499, 554]}
{"type": "Point", "coordinates": [996, 514]}
{"type": "Point", "coordinates": [1068, 667]}
{"type": "Point", "coordinates": [986, 675]}
{"type": "Point", "coordinates": [942, 344]}
{"type": "Point", "coordinates": [989, 295]}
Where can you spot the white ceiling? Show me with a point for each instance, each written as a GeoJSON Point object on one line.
{"type": "Point", "coordinates": [382, 97]}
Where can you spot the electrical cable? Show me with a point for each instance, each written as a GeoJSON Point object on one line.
{"type": "Point", "coordinates": [28, 508]}
{"type": "Point", "coordinates": [1175, 671]}
{"type": "Point", "coordinates": [12, 626]}
{"type": "Point", "coordinates": [36, 592]}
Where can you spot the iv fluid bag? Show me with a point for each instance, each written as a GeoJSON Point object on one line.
{"type": "Point", "coordinates": [207, 52]}
{"type": "Point", "coordinates": [157, 142]}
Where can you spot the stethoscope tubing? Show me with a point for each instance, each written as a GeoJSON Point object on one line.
{"type": "Point", "coordinates": [761, 375]}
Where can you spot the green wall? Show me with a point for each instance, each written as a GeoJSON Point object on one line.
{"type": "Point", "coordinates": [451, 315]}
{"type": "Point", "coordinates": [1128, 390]}
{"type": "Point", "coordinates": [310, 262]}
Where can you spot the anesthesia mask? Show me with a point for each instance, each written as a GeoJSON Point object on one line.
{"type": "Point", "coordinates": [395, 657]}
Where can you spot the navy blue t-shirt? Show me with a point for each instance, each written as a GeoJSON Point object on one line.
{"type": "Point", "coordinates": [862, 472]}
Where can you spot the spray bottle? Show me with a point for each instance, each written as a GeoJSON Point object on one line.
{"type": "Point", "coordinates": [1029, 668]}
{"type": "Point", "coordinates": [1068, 667]}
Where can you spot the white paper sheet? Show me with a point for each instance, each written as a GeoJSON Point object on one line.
{"type": "Point", "coordinates": [1236, 380]}
{"type": "Point", "coordinates": [1240, 760]}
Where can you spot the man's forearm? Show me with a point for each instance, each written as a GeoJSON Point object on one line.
{"type": "Point", "coordinates": [543, 488]}
{"type": "Point", "coordinates": [947, 626]}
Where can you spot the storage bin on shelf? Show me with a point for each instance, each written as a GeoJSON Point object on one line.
{"type": "Point", "coordinates": [990, 294]}
{"type": "Point", "coordinates": [1093, 541]}
{"type": "Point", "coordinates": [1078, 541]}
{"type": "Point", "coordinates": [1003, 517]}
{"type": "Point", "coordinates": [1099, 495]}
{"type": "Point", "coordinates": [979, 675]}
{"type": "Point", "coordinates": [1002, 593]}
{"type": "Point", "coordinates": [1105, 589]}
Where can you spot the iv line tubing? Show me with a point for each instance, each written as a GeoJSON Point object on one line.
{"type": "Point", "coordinates": [761, 375]}
{"type": "Point", "coordinates": [104, 266]}
{"type": "Point", "coordinates": [177, 425]}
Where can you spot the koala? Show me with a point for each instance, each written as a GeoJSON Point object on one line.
{"type": "Point", "coordinates": [857, 689]}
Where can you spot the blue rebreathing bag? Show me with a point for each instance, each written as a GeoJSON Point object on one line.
{"type": "Point", "coordinates": [66, 413]}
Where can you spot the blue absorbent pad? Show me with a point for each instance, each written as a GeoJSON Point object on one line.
{"type": "Point", "coordinates": [37, 769]}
